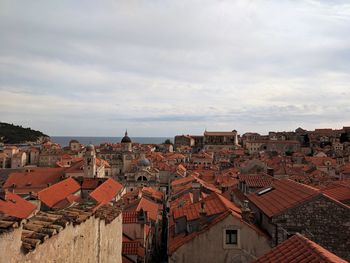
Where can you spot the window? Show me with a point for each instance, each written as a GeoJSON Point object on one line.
{"type": "Point", "coordinates": [231, 237]}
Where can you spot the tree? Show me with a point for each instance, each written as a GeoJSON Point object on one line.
{"type": "Point", "coordinates": [167, 141]}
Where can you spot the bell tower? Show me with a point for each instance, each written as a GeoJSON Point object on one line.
{"type": "Point", "coordinates": [90, 161]}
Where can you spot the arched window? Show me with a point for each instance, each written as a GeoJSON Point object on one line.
{"type": "Point", "coordinates": [142, 178]}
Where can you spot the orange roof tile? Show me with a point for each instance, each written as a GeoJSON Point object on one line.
{"type": "Point", "coordinates": [256, 180]}
{"type": "Point", "coordinates": [133, 248]}
{"type": "Point", "coordinates": [106, 191]}
{"type": "Point", "coordinates": [54, 194]}
{"type": "Point", "coordinates": [284, 194]}
{"type": "Point", "coordinates": [13, 205]}
{"type": "Point", "coordinates": [130, 217]}
{"type": "Point", "coordinates": [150, 207]}
{"type": "Point", "coordinates": [153, 193]}
{"type": "Point", "coordinates": [299, 249]}
{"type": "Point", "coordinates": [214, 204]}
{"type": "Point", "coordinates": [34, 180]}
{"type": "Point", "coordinates": [337, 191]}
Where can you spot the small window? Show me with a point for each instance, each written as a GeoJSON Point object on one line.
{"type": "Point", "coordinates": [231, 237]}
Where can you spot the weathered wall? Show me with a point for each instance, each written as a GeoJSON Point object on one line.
{"type": "Point", "coordinates": [91, 241]}
{"type": "Point", "coordinates": [209, 246]}
{"type": "Point", "coordinates": [322, 220]}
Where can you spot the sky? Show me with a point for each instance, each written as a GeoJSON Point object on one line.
{"type": "Point", "coordinates": [161, 68]}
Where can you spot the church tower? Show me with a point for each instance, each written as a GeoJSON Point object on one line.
{"type": "Point", "coordinates": [90, 161]}
{"type": "Point", "coordinates": [126, 142]}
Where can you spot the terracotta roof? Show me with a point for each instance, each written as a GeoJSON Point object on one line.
{"type": "Point", "coordinates": [256, 180]}
{"type": "Point", "coordinates": [90, 183]}
{"type": "Point", "coordinates": [283, 195]}
{"type": "Point", "coordinates": [338, 191]}
{"type": "Point", "coordinates": [130, 217]}
{"type": "Point", "coordinates": [182, 181]}
{"type": "Point", "coordinates": [133, 248]}
{"type": "Point", "coordinates": [153, 193]}
{"type": "Point", "coordinates": [214, 204]}
{"type": "Point", "coordinates": [34, 180]}
{"type": "Point", "coordinates": [13, 205]}
{"type": "Point", "coordinates": [106, 191]}
{"type": "Point", "coordinates": [299, 249]}
{"type": "Point", "coordinates": [53, 195]}
{"type": "Point", "coordinates": [176, 241]}
{"type": "Point", "coordinates": [150, 207]}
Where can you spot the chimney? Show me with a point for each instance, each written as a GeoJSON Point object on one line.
{"type": "Point", "coordinates": [247, 214]}
{"type": "Point", "coordinates": [270, 171]}
{"type": "Point", "coordinates": [202, 211]}
{"type": "Point", "coordinates": [142, 216]}
{"type": "Point", "coordinates": [3, 194]}
{"type": "Point", "coordinates": [196, 191]}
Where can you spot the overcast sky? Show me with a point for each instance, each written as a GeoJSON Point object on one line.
{"type": "Point", "coordinates": [160, 68]}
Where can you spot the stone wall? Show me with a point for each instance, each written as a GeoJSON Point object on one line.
{"type": "Point", "coordinates": [323, 220]}
{"type": "Point", "coordinates": [91, 241]}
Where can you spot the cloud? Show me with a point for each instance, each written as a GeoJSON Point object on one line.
{"type": "Point", "coordinates": [167, 67]}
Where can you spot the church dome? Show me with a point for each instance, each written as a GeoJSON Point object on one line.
{"type": "Point", "coordinates": [90, 147]}
{"type": "Point", "coordinates": [126, 138]}
{"type": "Point", "coordinates": [144, 162]}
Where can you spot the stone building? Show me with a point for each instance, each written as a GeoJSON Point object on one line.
{"type": "Point", "coordinates": [141, 174]}
{"type": "Point", "coordinates": [213, 230]}
{"type": "Point", "coordinates": [287, 207]}
{"type": "Point", "coordinates": [76, 234]}
{"type": "Point", "coordinates": [18, 160]}
{"type": "Point", "coordinates": [220, 140]}
{"type": "Point", "coordinates": [33, 156]}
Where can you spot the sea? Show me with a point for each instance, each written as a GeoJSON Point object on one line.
{"type": "Point", "coordinates": [64, 140]}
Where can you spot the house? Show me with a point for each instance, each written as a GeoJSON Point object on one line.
{"type": "Point", "coordinates": [18, 160]}
{"type": "Point", "coordinates": [33, 180]}
{"type": "Point", "coordinates": [60, 195]}
{"type": "Point", "coordinates": [299, 249]}
{"type": "Point", "coordinates": [252, 182]}
{"type": "Point", "coordinates": [132, 250]}
{"type": "Point", "coordinates": [287, 207]}
{"type": "Point", "coordinates": [5, 161]}
{"type": "Point", "coordinates": [15, 206]}
{"type": "Point", "coordinates": [213, 230]}
{"type": "Point", "coordinates": [109, 191]}
{"type": "Point", "coordinates": [220, 140]}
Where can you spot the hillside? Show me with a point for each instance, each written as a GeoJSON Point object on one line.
{"type": "Point", "coordinates": [12, 134]}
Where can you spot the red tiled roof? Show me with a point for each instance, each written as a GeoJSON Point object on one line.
{"type": "Point", "coordinates": [129, 217]}
{"type": "Point", "coordinates": [256, 180]}
{"type": "Point", "coordinates": [214, 204]}
{"type": "Point", "coordinates": [176, 241]}
{"type": "Point", "coordinates": [133, 248]}
{"type": "Point", "coordinates": [285, 194]}
{"type": "Point", "coordinates": [337, 191]}
{"type": "Point", "coordinates": [299, 249]}
{"type": "Point", "coordinates": [182, 181]}
{"type": "Point", "coordinates": [153, 193]}
{"type": "Point", "coordinates": [90, 183]}
{"type": "Point", "coordinates": [13, 205]}
{"type": "Point", "coordinates": [54, 194]}
{"type": "Point", "coordinates": [34, 180]}
{"type": "Point", "coordinates": [150, 207]}
{"type": "Point", "coordinates": [106, 191]}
